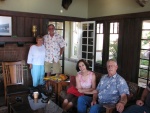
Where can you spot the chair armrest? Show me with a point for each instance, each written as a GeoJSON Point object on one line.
{"type": "Point", "coordinates": [109, 107]}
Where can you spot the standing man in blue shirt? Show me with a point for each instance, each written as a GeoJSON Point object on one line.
{"type": "Point", "coordinates": [111, 89]}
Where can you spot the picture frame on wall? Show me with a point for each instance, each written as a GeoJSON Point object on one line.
{"type": "Point", "coordinates": [5, 26]}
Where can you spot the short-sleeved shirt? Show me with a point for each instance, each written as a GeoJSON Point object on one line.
{"type": "Point", "coordinates": [111, 88]}
{"type": "Point", "coordinates": [52, 47]}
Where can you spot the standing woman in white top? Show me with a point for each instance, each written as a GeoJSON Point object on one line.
{"type": "Point", "coordinates": [35, 60]}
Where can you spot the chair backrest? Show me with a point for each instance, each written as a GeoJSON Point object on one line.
{"type": "Point", "coordinates": [133, 89]}
{"type": "Point", "coordinates": [13, 72]}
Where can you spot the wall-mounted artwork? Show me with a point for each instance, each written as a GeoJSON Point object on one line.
{"type": "Point", "coordinates": [5, 26]}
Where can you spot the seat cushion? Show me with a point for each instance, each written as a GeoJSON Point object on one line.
{"type": "Point", "coordinates": [16, 89]}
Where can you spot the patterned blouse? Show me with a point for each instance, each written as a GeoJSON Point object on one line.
{"type": "Point", "coordinates": [52, 47]}
{"type": "Point", "coordinates": [88, 82]}
{"type": "Point", "coordinates": [111, 88]}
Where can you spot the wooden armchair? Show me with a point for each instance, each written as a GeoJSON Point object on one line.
{"type": "Point", "coordinates": [13, 79]}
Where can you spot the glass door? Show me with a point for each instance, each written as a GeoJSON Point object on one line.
{"type": "Point", "coordinates": [88, 42]}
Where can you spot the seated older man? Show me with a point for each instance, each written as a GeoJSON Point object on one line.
{"type": "Point", "coordinates": [112, 88]}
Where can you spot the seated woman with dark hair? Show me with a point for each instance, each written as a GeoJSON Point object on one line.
{"type": "Point", "coordinates": [85, 84]}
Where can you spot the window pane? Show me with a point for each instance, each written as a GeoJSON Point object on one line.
{"type": "Point", "coordinates": [143, 73]}
{"type": "Point", "coordinates": [149, 75]}
{"type": "Point", "coordinates": [60, 32]}
{"type": "Point", "coordinates": [51, 22]}
{"type": "Point", "coordinates": [99, 43]}
{"type": "Point", "coordinates": [146, 24]}
{"type": "Point", "coordinates": [99, 48]}
{"type": "Point", "coordinates": [83, 55]}
{"type": "Point", "coordinates": [113, 46]}
{"type": "Point", "coordinates": [84, 48]}
{"type": "Point", "coordinates": [98, 28]}
{"type": "Point", "coordinates": [90, 41]}
{"type": "Point", "coordinates": [90, 48]}
{"type": "Point", "coordinates": [144, 54]}
{"type": "Point", "coordinates": [146, 34]}
{"type": "Point", "coordinates": [111, 27]}
{"type": "Point", "coordinates": [145, 44]}
{"type": "Point", "coordinates": [101, 28]}
{"type": "Point", "coordinates": [91, 26]}
{"type": "Point", "coordinates": [84, 40]}
{"type": "Point", "coordinates": [75, 39]}
{"type": "Point", "coordinates": [59, 25]}
{"type": "Point", "coordinates": [116, 26]}
{"type": "Point", "coordinates": [144, 64]}
{"type": "Point", "coordinates": [84, 27]}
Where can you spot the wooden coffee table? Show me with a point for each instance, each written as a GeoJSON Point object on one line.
{"type": "Point", "coordinates": [22, 105]}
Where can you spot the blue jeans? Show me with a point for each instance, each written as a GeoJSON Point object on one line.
{"type": "Point", "coordinates": [137, 109]}
{"type": "Point", "coordinates": [84, 102]}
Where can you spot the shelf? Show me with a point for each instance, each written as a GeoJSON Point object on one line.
{"type": "Point", "coordinates": [17, 39]}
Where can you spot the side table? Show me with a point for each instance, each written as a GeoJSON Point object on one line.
{"type": "Point", "coordinates": [56, 87]}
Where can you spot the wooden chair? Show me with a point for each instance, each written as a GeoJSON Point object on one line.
{"type": "Point", "coordinates": [13, 79]}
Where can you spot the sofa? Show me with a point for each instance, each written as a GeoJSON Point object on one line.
{"type": "Point", "coordinates": [135, 92]}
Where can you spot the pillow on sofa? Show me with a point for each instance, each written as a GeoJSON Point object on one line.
{"type": "Point", "coordinates": [72, 80]}
{"type": "Point", "coordinates": [133, 88]}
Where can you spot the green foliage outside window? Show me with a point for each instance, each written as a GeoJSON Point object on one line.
{"type": "Point", "coordinates": [113, 49]}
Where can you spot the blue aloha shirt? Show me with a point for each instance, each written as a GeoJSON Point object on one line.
{"type": "Point", "coordinates": [111, 88]}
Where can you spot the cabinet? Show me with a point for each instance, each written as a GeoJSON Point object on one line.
{"type": "Point", "coordinates": [88, 42]}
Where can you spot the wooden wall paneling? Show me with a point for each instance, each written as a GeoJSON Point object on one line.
{"type": "Point", "coordinates": [28, 27]}
{"type": "Point", "coordinates": [20, 26]}
{"type": "Point", "coordinates": [36, 21]}
{"type": "Point", "coordinates": [36, 15]}
{"type": "Point", "coordinates": [41, 26]}
{"type": "Point", "coordinates": [45, 24]}
{"type": "Point", "coordinates": [14, 25]}
{"type": "Point", "coordinates": [120, 49]}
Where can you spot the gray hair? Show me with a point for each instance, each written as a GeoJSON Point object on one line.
{"type": "Point", "coordinates": [113, 60]}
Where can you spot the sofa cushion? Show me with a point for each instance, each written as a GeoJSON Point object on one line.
{"type": "Point", "coordinates": [133, 89]}
{"type": "Point", "coordinates": [72, 80]}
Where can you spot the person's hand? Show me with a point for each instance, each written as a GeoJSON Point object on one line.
{"type": "Point", "coordinates": [93, 102]}
{"type": "Point", "coordinates": [80, 90]}
{"type": "Point", "coordinates": [139, 102]}
{"type": "Point", "coordinates": [120, 107]}
{"type": "Point", "coordinates": [30, 66]}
